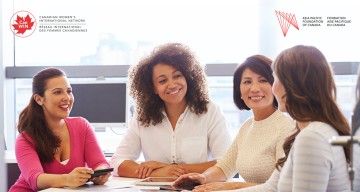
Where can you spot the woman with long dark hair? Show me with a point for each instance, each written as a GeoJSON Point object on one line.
{"type": "Point", "coordinates": [53, 149]}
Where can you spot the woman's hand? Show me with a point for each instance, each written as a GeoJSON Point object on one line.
{"type": "Point", "coordinates": [101, 180]}
{"type": "Point", "coordinates": [144, 170]}
{"type": "Point", "coordinates": [169, 171]}
{"type": "Point", "coordinates": [216, 186]}
{"type": "Point", "coordinates": [77, 177]}
{"type": "Point", "coordinates": [189, 181]}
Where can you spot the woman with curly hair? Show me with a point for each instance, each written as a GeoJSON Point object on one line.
{"type": "Point", "coordinates": [176, 127]}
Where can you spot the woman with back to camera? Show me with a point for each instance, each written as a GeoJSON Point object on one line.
{"type": "Point", "coordinates": [52, 148]}
{"type": "Point", "coordinates": [356, 132]}
{"type": "Point", "coordinates": [176, 127]}
{"type": "Point", "coordinates": [258, 144]}
{"type": "Point", "coordinates": [305, 88]}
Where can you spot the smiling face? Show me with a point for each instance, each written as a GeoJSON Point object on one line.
{"type": "Point", "coordinates": [58, 99]}
{"type": "Point", "coordinates": [170, 84]}
{"type": "Point", "coordinates": [280, 93]}
{"type": "Point", "coordinates": [255, 91]}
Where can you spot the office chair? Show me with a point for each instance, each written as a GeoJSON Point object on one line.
{"type": "Point", "coordinates": [350, 141]}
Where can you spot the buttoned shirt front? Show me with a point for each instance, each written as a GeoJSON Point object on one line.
{"type": "Point", "coordinates": [195, 139]}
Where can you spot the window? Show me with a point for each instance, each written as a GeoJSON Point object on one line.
{"type": "Point", "coordinates": [121, 32]}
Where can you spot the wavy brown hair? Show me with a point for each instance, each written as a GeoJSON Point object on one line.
{"type": "Point", "coordinates": [149, 105]}
{"type": "Point", "coordinates": [310, 91]}
{"type": "Point", "coordinates": [32, 119]}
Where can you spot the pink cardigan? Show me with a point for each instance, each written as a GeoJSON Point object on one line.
{"type": "Point", "coordinates": [84, 151]}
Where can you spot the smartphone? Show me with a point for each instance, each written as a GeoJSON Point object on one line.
{"type": "Point", "coordinates": [171, 188]}
{"type": "Point", "coordinates": [99, 172]}
{"type": "Point", "coordinates": [185, 184]}
{"type": "Point", "coordinates": [156, 181]}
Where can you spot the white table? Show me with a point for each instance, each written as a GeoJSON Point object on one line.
{"type": "Point", "coordinates": [117, 184]}
{"type": "Point", "coordinates": [114, 184]}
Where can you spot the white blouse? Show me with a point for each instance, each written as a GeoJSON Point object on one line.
{"type": "Point", "coordinates": [195, 139]}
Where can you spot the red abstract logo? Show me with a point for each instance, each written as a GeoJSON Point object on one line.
{"type": "Point", "coordinates": [23, 23]}
{"type": "Point", "coordinates": [285, 19]}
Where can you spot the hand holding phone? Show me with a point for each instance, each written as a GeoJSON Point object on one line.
{"type": "Point", "coordinates": [185, 184]}
{"type": "Point", "coordinates": [172, 188]}
{"type": "Point", "coordinates": [99, 172]}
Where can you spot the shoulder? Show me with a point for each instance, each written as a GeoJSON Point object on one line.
{"type": "Point", "coordinates": [134, 123]}
{"type": "Point", "coordinates": [314, 139]}
{"type": "Point", "coordinates": [212, 110]}
{"type": "Point", "coordinates": [77, 122]}
{"type": "Point", "coordinates": [319, 131]}
{"type": "Point", "coordinates": [24, 138]}
{"type": "Point", "coordinates": [248, 121]}
{"type": "Point", "coordinates": [281, 117]}
{"type": "Point", "coordinates": [282, 121]}
{"type": "Point", "coordinates": [74, 120]}
{"type": "Point", "coordinates": [213, 107]}
{"type": "Point", "coordinates": [23, 142]}
{"type": "Point", "coordinates": [246, 125]}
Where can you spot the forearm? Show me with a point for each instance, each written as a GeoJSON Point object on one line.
{"type": "Point", "coordinates": [199, 167]}
{"type": "Point", "coordinates": [45, 181]}
{"type": "Point", "coordinates": [214, 174]}
{"type": "Point", "coordinates": [240, 185]}
{"type": "Point", "coordinates": [127, 169]}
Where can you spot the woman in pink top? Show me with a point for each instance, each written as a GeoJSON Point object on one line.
{"type": "Point", "coordinates": [52, 149]}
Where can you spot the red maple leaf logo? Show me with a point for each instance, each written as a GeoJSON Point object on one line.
{"type": "Point", "coordinates": [23, 24]}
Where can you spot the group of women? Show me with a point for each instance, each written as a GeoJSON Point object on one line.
{"type": "Point", "coordinates": [284, 146]}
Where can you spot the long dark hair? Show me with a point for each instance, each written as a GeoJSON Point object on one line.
{"type": "Point", "coordinates": [310, 91]}
{"type": "Point", "coordinates": [32, 120]}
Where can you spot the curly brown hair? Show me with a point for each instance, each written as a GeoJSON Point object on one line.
{"type": "Point", "coordinates": [149, 106]}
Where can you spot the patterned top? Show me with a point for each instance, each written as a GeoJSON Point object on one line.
{"type": "Point", "coordinates": [257, 147]}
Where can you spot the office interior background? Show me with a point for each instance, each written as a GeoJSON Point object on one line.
{"type": "Point", "coordinates": [119, 33]}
